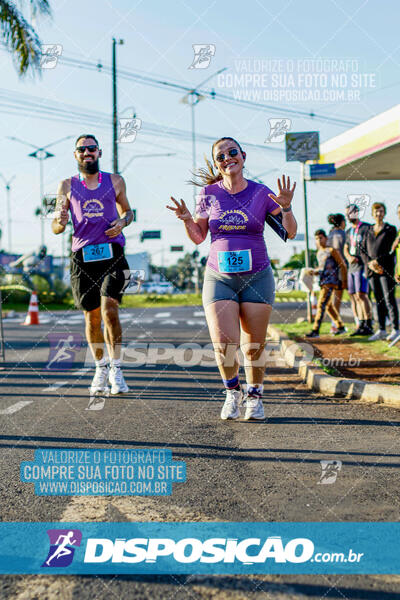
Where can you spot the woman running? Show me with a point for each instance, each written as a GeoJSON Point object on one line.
{"type": "Point", "coordinates": [239, 288]}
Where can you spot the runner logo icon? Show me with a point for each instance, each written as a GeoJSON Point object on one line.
{"type": "Point", "coordinates": [62, 542]}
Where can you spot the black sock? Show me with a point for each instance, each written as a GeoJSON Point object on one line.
{"type": "Point", "coordinates": [363, 324]}
{"type": "Point", "coordinates": [369, 323]}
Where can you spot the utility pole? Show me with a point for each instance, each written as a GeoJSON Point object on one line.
{"type": "Point", "coordinates": [192, 98]}
{"type": "Point", "coordinates": [307, 254]}
{"type": "Point", "coordinates": [8, 191]}
{"type": "Point", "coordinates": [114, 100]}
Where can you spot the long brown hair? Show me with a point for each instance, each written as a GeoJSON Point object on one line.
{"type": "Point", "coordinates": [207, 175]}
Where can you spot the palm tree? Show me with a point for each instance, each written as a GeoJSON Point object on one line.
{"type": "Point", "coordinates": [19, 36]}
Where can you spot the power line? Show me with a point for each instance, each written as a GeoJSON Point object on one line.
{"type": "Point", "coordinates": [26, 105]}
{"type": "Point", "coordinates": [167, 84]}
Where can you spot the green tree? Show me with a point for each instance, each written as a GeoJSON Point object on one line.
{"type": "Point", "coordinates": [19, 36]}
{"type": "Point", "coordinates": [298, 261]}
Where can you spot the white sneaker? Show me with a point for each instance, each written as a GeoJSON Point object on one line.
{"type": "Point", "coordinates": [379, 335]}
{"type": "Point", "coordinates": [395, 340]}
{"type": "Point", "coordinates": [254, 408]}
{"type": "Point", "coordinates": [118, 383]}
{"type": "Point", "coordinates": [392, 336]}
{"type": "Point", "coordinates": [99, 382]}
{"type": "Point", "coordinates": [230, 409]}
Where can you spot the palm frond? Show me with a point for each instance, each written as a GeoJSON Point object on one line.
{"type": "Point", "coordinates": [20, 37]}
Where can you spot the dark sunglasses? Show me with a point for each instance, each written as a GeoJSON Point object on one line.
{"type": "Point", "coordinates": [82, 149]}
{"type": "Point", "coordinates": [232, 152]}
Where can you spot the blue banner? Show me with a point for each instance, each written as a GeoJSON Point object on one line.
{"type": "Point", "coordinates": [210, 548]}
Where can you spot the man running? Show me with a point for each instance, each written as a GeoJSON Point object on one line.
{"type": "Point", "coordinates": [99, 271]}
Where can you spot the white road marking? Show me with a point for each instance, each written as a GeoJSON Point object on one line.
{"type": "Point", "coordinates": [15, 407]}
{"type": "Point", "coordinates": [55, 386]}
{"type": "Point", "coordinates": [141, 321]}
{"type": "Point", "coordinates": [162, 315]}
{"type": "Point", "coordinates": [196, 322]}
{"type": "Point", "coordinates": [199, 313]}
{"type": "Point", "coordinates": [81, 371]}
{"type": "Point", "coordinates": [169, 322]}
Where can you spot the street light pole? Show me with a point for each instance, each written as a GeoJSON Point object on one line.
{"type": "Point", "coordinates": [192, 98]}
{"type": "Point", "coordinates": [8, 192]}
{"type": "Point", "coordinates": [307, 254]}
{"type": "Point", "coordinates": [40, 154]}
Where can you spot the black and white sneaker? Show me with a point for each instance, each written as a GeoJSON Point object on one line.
{"type": "Point", "coordinates": [312, 334]}
{"type": "Point", "coordinates": [254, 406]}
{"type": "Point", "coordinates": [340, 331]}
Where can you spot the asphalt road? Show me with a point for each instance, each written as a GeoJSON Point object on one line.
{"type": "Point", "coordinates": [236, 471]}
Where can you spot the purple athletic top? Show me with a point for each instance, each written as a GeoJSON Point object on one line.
{"type": "Point", "coordinates": [92, 211]}
{"type": "Point", "coordinates": [236, 221]}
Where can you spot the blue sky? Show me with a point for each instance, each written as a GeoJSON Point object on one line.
{"type": "Point", "coordinates": [158, 39]}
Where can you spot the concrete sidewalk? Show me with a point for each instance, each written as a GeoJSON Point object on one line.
{"type": "Point", "coordinates": [299, 356]}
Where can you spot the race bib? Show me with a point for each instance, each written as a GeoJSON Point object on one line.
{"type": "Point", "coordinates": [97, 252]}
{"type": "Point", "coordinates": [235, 261]}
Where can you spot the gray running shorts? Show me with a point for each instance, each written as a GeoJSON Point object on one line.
{"type": "Point", "coordinates": [256, 287]}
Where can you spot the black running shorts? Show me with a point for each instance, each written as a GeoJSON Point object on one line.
{"type": "Point", "coordinates": [91, 280]}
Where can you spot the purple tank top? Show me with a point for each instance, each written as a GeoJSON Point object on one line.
{"type": "Point", "coordinates": [236, 221]}
{"type": "Point", "coordinates": [92, 211]}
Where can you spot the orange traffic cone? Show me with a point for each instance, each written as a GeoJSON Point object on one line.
{"type": "Point", "coordinates": [32, 318]}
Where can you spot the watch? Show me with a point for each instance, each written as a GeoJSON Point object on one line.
{"type": "Point", "coordinates": [287, 209]}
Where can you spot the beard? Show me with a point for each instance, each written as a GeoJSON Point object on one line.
{"type": "Point", "coordinates": [89, 168]}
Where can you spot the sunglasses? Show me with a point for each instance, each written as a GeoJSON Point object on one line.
{"type": "Point", "coordinates": [232, 152]}
{"type": "Point", "coordinates": [82, 149]}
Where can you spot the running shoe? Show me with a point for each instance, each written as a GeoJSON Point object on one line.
{"type": "Point", "coordinates": [230, 409]}
{"type": "Point", "coordinates": [254, 406]}
{"type": "Point", "coordinates": [99, 383]}
{"type": "Point", "coordinates": [361, 331]}
{"type": "Point", "coordinates": [118, 384]}
{"type": "Point", "coordinates": [340, 331]}
{"type": "Point", "coordinates": [313, 334]}
{"type": "Point", "coordinates": [392, 336]}
{"type": "Point", "coordinates": [379, 335]}
{"type": "Point", "coordinates": [395, 341]}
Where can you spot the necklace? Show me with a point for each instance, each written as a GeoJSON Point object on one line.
{"type": "Point", "coordinates": [83, 182]}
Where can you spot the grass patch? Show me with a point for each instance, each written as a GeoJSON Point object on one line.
{"type": "Point", "coordinates": [23, 306]}
{"type": "Point", "coordinates": [379, 348]}
{"type": "Point", "coordinates": [157, 300]}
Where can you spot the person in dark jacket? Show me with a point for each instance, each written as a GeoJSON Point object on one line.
{"type": "Point", "coordinates": [381, 264]}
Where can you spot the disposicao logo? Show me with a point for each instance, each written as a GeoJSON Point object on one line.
{"type": "Point", "coordinates": [189, 550]}
{"type": "Point", "coordinates": [62, 547]}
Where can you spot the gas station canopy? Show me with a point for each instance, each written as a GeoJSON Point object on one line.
{"type": "Point", "coordinates": [369, 151]}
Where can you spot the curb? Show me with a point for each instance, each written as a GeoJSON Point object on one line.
{"type": "Point", "coordinates": [296, 356]}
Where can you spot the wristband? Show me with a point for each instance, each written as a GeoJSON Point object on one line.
{"type": "Point", "coordinates": [286, 210]}
{"type": "Point", "coordinates": [126, 221]}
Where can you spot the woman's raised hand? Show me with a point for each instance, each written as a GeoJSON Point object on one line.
{"type": "Point", "coordinates": [285, 196]}
{"type": "Point", "coordinates": [180, 209]}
